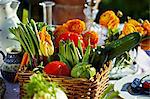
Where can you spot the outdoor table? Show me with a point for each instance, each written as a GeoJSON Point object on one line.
{"type": "Point", "coordinates": [143, 60]}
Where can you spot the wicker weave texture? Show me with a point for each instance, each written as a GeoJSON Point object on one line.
{"type": "Point", "coordinates": [75, 88]}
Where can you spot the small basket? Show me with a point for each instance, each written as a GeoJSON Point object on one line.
{"type": "Point", "coordinates": [75, 88]}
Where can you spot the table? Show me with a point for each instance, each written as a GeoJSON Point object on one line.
{"type": "Point", "coordinates": [143, 60]}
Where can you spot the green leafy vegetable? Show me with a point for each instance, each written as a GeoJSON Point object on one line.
{"type": "Point", "coordinates": [109, 93]}
{"type": "Point", "coordinates": [83, 70]}
{"type": "Point", "coordinates": [38, 86]}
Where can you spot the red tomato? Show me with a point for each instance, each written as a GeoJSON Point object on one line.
{"type": "Point", "coordinates": [57, 68]}
{"type": "Point", "coordinates": [69, 36]}
{"type": "Point", "coordinates": [93, 36]}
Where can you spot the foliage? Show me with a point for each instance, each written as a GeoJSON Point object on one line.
{"type": "Point", "coordinates": [40, 86]}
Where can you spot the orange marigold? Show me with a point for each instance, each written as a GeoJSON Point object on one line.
{"type": "Point", "coordinates": [60, 29]}
{"type": "Point", "coordinates": [134, 22]}
{"type": "Point", "coordinates": [91, 36]}
{"type": "Point", "coordinates": [133, 26]}
{"type": "Point", "coordinates": [76, 26]}
{"type": "Point", "coordinates": [109, 20]}
{"type": "Point", "coordinates": [128, 28]}
{"type": "Point", "coordinates": [141, 30]}
{"type": "Point", "coordinates": [146, 26]}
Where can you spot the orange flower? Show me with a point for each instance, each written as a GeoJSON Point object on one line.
{"type": "Point", "coordinates": [75, 25]}
{"type": "Point", "coordinates": [42, 34]}
{"type": "Point", "coordinates": [133, 26]}
{"type": "Point", "coordinates": [137, 26]}
{"type": "Point", "coordinates": [141, 30]}
{"type": "Point", "coordinates": [60, 30]}
{"type": "Point", "coordinates": [91, 36]}
{"type": "Point", "coordinates": [128, 28]}
{"type": "Point", "coordinates": [109, 20]}
{"type": "Point", "coordinates": [134, 22]}
{"type": "Point", "coordinates": [146, 26]}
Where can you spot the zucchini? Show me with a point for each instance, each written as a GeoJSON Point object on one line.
{"type": "Point", "coordinates": [118, 47]}
{"type": "Point", "coordinates": [98, 57]}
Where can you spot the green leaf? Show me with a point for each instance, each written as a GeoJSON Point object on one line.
{"type": "Point", "coordinates": [39, 86]}
{"type": "Point", "coordinates": [28, 37]}
{"type": "Point", "coordinates": [80, 48]}
{"type": "Point", "coordinates": [62, 48]}
{"type": "Point", "coordinates": [113, 95]}
{"type": "Point", "coordinates": [75, 59]}
{"type": "Point", "coordinates": [87, 54]}
{"type": "Point", "coordinates": [21, 33]}
{"type": "Point", "coordinates": [34, 37]}
{"type": "Point", "coordinates": [63, 59]}
{"type": "Point", "coordinates": [74, 50]}
{"type": "Point", "coordinates": [77, 70]}
{"type": "Point", "coordinates": [108, 89]}
{"type": "Point", "coordinates": [92, 71]}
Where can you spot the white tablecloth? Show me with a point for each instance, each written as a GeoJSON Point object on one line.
{"type": "Point", "coordinates": [143, 60]}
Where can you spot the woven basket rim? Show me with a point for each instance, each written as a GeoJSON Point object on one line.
{"type": "Point", "coordinates": [24, 71]}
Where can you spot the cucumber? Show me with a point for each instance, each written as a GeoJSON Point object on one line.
{"type": "Point", "coordinates": [118, 47]}
{"type": "Point", "coordinates": [98, 57]}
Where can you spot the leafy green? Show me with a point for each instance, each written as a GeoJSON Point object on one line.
{"type": "Point", "coordinates": [40, 86]}
{"type": "Point", "coordinates": [83, 70]}
{"type": "Point", "coordinates": [87, 54]}
{"type": "Point", "coordinates": [69, 54]}
{"type": "Point", "coordinates": [109, 93]}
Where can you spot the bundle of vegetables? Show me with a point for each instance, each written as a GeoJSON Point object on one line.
{"type": "Point", "coordinates": [35, 40]}
{"type": "Point", "coordinates": [39, 88]}
{"type": "Point", "coordinates": [78, 49]}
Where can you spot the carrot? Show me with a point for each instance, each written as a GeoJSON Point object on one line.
{"type": "Point", "coordinates": [25, 61]}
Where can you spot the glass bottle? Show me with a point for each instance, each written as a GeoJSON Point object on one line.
{"type": "Point", "coordinates": [90, 12]}
{"type": "Point", "coordinates": [47, 11]}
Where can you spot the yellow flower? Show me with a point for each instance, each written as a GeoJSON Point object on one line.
{"type": "Point", "coordinates": [134, 22]}
{"type": "Point", "coordinates": [46, 44]}
{"type": "Point", "coordinates": [109, 20]}
{"type": "Point", "coordinates": [133, 26]}
{"type": "Point", "coordinates": [128, 28]}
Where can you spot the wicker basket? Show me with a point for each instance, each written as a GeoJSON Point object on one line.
{"type": "Point", "coordinates": [76, 88]}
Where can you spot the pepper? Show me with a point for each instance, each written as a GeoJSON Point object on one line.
{"type": "Point", "coordinates": [146, 85]}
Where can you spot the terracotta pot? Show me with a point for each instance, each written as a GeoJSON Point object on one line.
{"type": "Point", "coordinates": [70, 2]}
{"type": "Point", "coordinates": [67, 9]}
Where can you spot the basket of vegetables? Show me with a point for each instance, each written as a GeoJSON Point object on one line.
{"type": "Point", "coordinates": [69, 55]}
